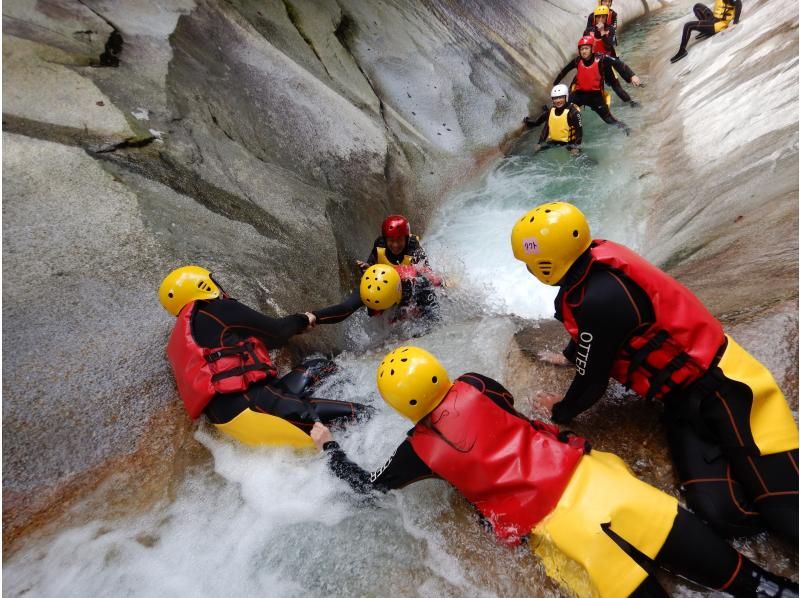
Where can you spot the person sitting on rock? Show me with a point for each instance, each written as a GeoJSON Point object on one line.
{"type": "Point", "coordinates": [725, 15]}
{"type": "Point", "coordinates": [407, 290]}
{"type": "Point", "coordinates": [562, 123]}
{"type": "Point", "coordinates": [530, 480]}
{"type": "Point", "coordinates": [730, 430]}
{"type": "Point", "coordinates": [219, 353]}
{"type": "Point", "coordinates": [588, 89]}
{"type": "Point", "coordinates": [605, 41]}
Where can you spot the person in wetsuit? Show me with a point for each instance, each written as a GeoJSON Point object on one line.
{"type": "Point", "coordinates": [730, 430]}
{"type": "Point", "coordinates": [605, 41]}
{"type": "Point", "coordinates": [562, 123]}
{"type": "Point", "coordinates": [396, 246]}
{"type": "Point", "coordinates": [528, 478]}
{"type": "Point", "coordinates": [219, 353]}
{"type": "Point", "coordinates": [407, 288]}
{"type": "Point", "coordinates": [612, 20]}
{"type": "Point", "coordinates": [588, 90]}
{"type": "Point", "coordinates": [725, 15]}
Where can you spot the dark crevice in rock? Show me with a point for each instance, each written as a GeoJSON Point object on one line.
{"type": "Point", "coordinates": [163, 169]}
{"type": "Point", "coordinates": [294, 18]}
{"type": "Point", "coordinates": [114, 43]}
{"type": "Point", "coordinates": [220, 127]}
{"type": "Point", "coordinates": [72, 136]}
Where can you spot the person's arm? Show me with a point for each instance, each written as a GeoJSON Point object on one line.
{"type": "Point", "coordinates": [623, 69]}
{"type": "Point", "coordinates": [402, 468]}
{"type": "Point", "coordinates": [275, 332]}
{"type": "Point", "coordinates": [576, 127]}
{"type": "Point", "coordinates": [341, 311]}
{"type": "Point", "coordinates": [605, 319]}
{"type": "Point", "coordinates": [545, 133]}
{"type": "Point", "coordinates": [611, 36]}
{"type": "Point", "coordinates": [570, 65]}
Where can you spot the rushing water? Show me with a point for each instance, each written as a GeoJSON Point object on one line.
{"type": "Point", "coordinates": [273, 522]}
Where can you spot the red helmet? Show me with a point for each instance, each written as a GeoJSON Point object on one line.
{"type": "Point", "coordinates": [586, 40]}
{"type": "Point", "coordinates": [395, 226]}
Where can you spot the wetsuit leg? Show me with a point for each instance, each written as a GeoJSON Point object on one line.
{"type": "Point", "coordinates": [427, 301]}
{"type": "Point", "coordinates": [613, 82]}
{"type": "Point", "coordinates": [329, 411]}
{"type": "Point", "coordinates": [302, 379]}
{"type": "Point", "coordinates": [704, 471]}
{"type": "Point", "coordinates": [771, 481]}
{"type": "Point", "coordinates": [649, 588]}
{"type": "Point", "coordinates": [692, 550]}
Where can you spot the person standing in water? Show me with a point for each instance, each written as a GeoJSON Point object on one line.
{"type": "Point", "coordinates": [588, 90]}
{"type": "Point", "coordinates": [528, 479]}
{"type": "Point", "coordinates": [562, 123]}
{"type": "Point", "coordinates": [730, 430]}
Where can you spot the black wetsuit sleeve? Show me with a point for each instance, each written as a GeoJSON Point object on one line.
{"type": "Point", "coordinates": [570, 65]}
{"type": "Point", "coordinates": [419, 256]}
{"type": "Point", "coordinates": [401, 469]}
{"type": "Point", "coordinates": [341, 311]}
{"type": "Point", "coordinates": [545, 133]}
{"type": "Point", "coordinates": [610, 311]}
{"type": "Point", "coordinates": [611, 38]}
{"type": "Point", "coordinates": [229, 317]}
{"type": "Point", "coordinates": [575, 125]}
{"type": "Point", "coordinates": [623, 69]}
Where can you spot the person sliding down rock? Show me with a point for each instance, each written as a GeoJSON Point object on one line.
{"type": "Point", "coordinates": [588, 88]}
{"type": "Point", "coordinates": [612, 19]}
{"type": "Point", "coordinates": [528, 479]}
{"type": "Point", "coordinates": [396, 246]}
{"type": "Point", "coordinates": [219, 353]}
{"type": "Point", "coordinates": [730, 430]}
{"type": "Point", "coordinates": [725, 15]}
{"type": "Point", "coordinates": [405, 291]}
{"type": "Point", "coordinates": [562, 123]}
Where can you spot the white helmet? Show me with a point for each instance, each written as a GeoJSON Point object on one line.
{"type": "Point", "coordinates": [559, 91]}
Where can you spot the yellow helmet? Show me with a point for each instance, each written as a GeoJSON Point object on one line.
{"type": "Point", "coordinates": [412, 381]}
{"type": "Point", "coordinates": [601, 10]}
{"type": "Point", "coordinates": [549, 239]}
{"type": "Point", "coordinates": [184, 285]}
{"type": "Point", "coordinates": [380, 287]}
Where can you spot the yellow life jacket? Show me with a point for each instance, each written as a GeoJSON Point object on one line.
{"type": "Point", "coordinates": [382, 259]}
{"type": "Point", "coordinates": [558, 125]}
{"type": "Point", "coordinates": [723, 12]}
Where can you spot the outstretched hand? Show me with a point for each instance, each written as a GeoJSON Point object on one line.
{"type": "Point", "coordinates": [362, 265]}
{"type": "Point", "coordinates": [546, 399]}
{"type": "Point", "coordinates": [320, 435]}
{"type": "Point", "coordinates": [553, 358]}
{"type": "Point", "coordinates": [312, 320]}
{"type": "Point", "coordinates": [636, 81]}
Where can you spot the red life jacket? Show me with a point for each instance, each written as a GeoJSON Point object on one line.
{"type": "Point", "coordinates": [589, 78]}
{"type": "Point", "coordinates": [202, 372]}
{"type": "Point", "coordinates": [514, 473]}
{"type": "Point", "coordinates": [600, 46]}
{"type": "Point", "coordinates": [672, 352]}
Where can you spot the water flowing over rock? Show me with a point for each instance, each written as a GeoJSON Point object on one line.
{"type": "Point", "coordinates": [266, 141]}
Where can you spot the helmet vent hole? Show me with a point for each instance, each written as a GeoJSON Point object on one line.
{"type": "Point", "coordinates": [434, 379]}
{"type": "Point", "coordinates": [532, 217]}
{"type": "Point", "coordinates": [412, 402]}
{"type": "Point", "coordinates": [392, 361]}
{"type": "Point", "coordinates": [404, 350]}
{"type": "Point", "coordinates": [381, 374]}
{"type": "Point", "coordinates": [547, 211]}
{"type": "Point", "coordinates": [391, 372]}
{"type": "Point", "coordinates": [369, 286]}
{"type": "Point", "coordinates": [404, 359]}
{"type": "Point", "coordinates": [171, 295]}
